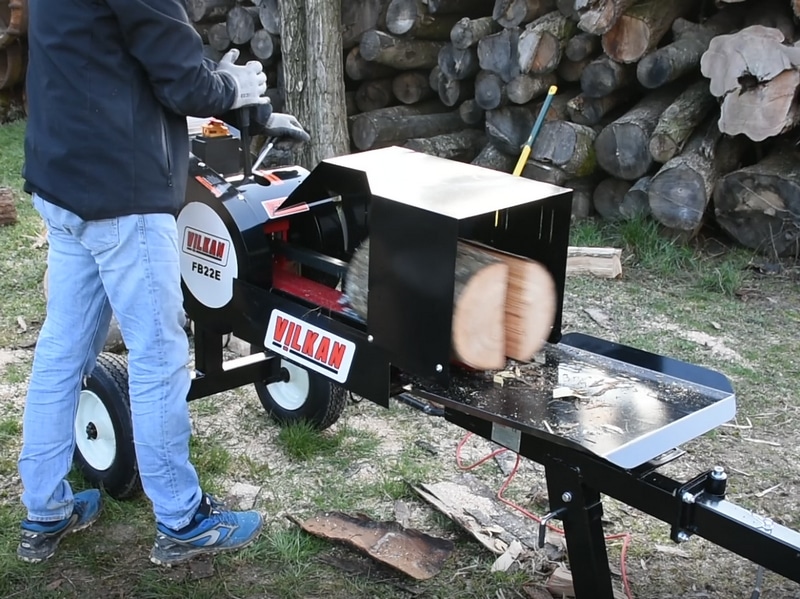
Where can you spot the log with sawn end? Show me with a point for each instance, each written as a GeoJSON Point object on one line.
{"type": "Point", "coordinates": [399, 53]}
{"type": "Point", "coordinates": [608, 196]}
{"type": "Point", "coordinates": [512, 13]}
{"type": "Point", "coordinates": [524, 88]}
{"type": "Point", "coordinates": [411, 87]}
{"type": "Point", "coordinates": [372, 130]}
{"type": "Point", "coordinates": [509, 126]}
{"type": "Point", "coordinates": [458, 64]}
{"type": "Point", "coordinates": [412, 18]}
{"type": "Point", "coordinates": [490, 91]}
{"type": "Point", "coordinates": [359, 69]}
{"type": "Point", "coordinates": [466, 33]}
{"type": "Point", "coordinates": [463, 145]}
{"type": "Point", "coordinates": [585, 110]}
{"type": "Point", "coordinates": [542, 42]}
{"type": "Point", "coordinates": [582, 45]}
{"type": "Point", "coordinates": [636, 203]}
{"type": "Point", "coordinates": [498, 53]}
{"type": "Point", "coordinates": [241, 23]}
{"type": "Point", "coordinates": [599, 16]}
{"type": "Point", "coordinates": [568, 146]}
{"type": "Point", "coordinates": [603, 76]}
{"type": "Point", "coordinates": [677, 122]}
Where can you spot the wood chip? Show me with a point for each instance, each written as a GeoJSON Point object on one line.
{"type": "Point", "coordinates": [670, 550]}
{"type": "Point", "coordinates": [22, 324]}
{"type": "Point", "coordinates": [504, 562]}
{"type": "Point", "coordinates": [767, 491]}
{"type": "Point", "coordinates": [763, 442]}
{"type": "Point", "coordinates": [599, 317]}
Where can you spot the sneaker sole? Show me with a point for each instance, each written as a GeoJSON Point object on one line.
{"type": "Point", "coordinates": [39, 560]}
{"type": "Point", "coordinates": [200, 552]}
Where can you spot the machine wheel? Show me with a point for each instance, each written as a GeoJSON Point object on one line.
{"type": "Point", "coordinates": [303, 396]}
{"type": "Point", "coordinates": [104, 450]}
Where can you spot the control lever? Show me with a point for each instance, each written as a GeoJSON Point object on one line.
{"type": "Point", "coordinates": [543, 524]}
{"type": "Point", "coordinates": [244, 139]}
{"type": "Point", "coordinates": [264, 151]}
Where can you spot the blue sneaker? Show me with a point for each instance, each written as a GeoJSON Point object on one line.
{"type": "Point", "coordinates": [39, 540]}
{"type": "Point", "coordinates": [211, 531]}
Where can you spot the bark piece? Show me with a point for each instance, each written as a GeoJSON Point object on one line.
{"type": "Point", "coordinates": [641, 27]}
{"type": "Point", "coordinates": [399, 53]}
{"type": "Point", "coordinates": [568, 146]}
{"type": "Point", "coordinates": [466, 33]}
{"type": "Point", "coordinates": [512, 13]}
{"type": "Point", "coordinates": [623, 147]}
{"type": "Point", "coordinates": [759, 205]}
{"type": "Point", "coordinates": [542, 42]}
{"type": "Point", "coordinates": [677, 122]}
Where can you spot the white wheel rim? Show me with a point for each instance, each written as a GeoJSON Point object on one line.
{"type": "Point", "coordinates": [292, 394]}
{"type": "Point", "coordinates": [94, 432]}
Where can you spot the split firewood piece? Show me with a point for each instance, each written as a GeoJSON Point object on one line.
{"type": "Point", "coordinates": [413, 19]}
{"type": "Point", "coordinates": [683, 55]}
{"type": "Point", "coordinates": [623, 147]}
{"type": "Point", "coordinates": [641, 28]}
{"type": "Point", "coordinates": [542, 42]}
{"type": "Point", "coordinates": [681, 190]}
{"type": "Point", "coordinates": [604, 263]}
{"type": "Point", "coordinates": [478, 325]}
{"type": "Point", "coordinates": [466, 33]}
{"type": "Point", "coordinates": [635, 202]}
{"type": "Point", "coordinates": [512, 13]}
{"type": "Point", "coordinates": [677, 122]}
{"type": "Point", "coordinates": [568, 146]}
{"type": "Point", "coordinates": [603, 76]}
{"type": "Point", "coordinates": [599, 16]}
{"type": "Point", "coordinates": [8, 206]}
{"type": "Point", "coordinates": [399, 53]}
{"type": "Point", "coordinates": [759, 205]}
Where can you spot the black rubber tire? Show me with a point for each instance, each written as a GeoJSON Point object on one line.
{"type": "Point", "coordinates": [322, 407]}
{"type": "Point", "coordinates": [109, 382]}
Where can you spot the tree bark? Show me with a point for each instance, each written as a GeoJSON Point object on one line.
{"type": "Point", "coordinates": [759, 205]}
{"type": "Point", "coordinates": [623, 147]}
{"type": "Point", "coordinates": [370, 129]}
{"type": "Point", "coordinates": [313, 76]}
{"type": "Point", "coordinates": [462, 146]}
{"type": "Point", "coordinates": [498, 53]}
{"type": "Point", "coordinates": [681, 190]}
{"type": "Point", "coordinates": [677, 122]}
{"type": "Point", "coordinates": [411, 18]}
{"type": "Point", "coordinates": [567, 146]}
{"type": "Point", "coordinates": [641, 27]}
{"type": "Point", "coordinates": [399, 53]}
{"type": "Point", "coordinates": [542, 43]}
{"type": "Point", "coordinates": [512, 13]}
{"type": "Point", "coordinates": [683, 55]}
{"type": "Point", "coordinates": [466, 33]}
{"type": "Point", "coordinates": [603, 76]}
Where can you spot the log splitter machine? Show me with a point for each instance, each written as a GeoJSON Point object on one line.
{"type": "Point", "coordinates": [263, 255]}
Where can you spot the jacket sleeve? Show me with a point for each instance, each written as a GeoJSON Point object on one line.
{"type": "Point", "coordinates": [159, 36]}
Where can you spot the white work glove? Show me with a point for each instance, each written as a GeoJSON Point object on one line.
{"type": "Point", "coordinates": [287, 129]}
{"type": "Point", "coordinates": [250, 79]}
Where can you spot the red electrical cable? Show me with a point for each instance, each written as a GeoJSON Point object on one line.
{"type": "Point", "coordinates": [625, 536]}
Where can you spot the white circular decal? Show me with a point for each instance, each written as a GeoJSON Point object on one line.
{"type": "Point", "coordinates": [208, 260]}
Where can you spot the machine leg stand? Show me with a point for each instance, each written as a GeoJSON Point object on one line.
{"type": "Point", "coordinates": [581, 511]}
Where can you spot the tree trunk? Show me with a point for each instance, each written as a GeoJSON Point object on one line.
{"type": "Point", "coordinates": [641, 28]}
{"type": "Point", "coordinates": [680, 191]}
{"type": "Point", "coordinates": [8, 207]}
{"type": "Point", "coordinates": [369, 130]}
{"type": "Point", "coordinates": [208, 10]}
{"type": "Point", "coordinates": [241, 23]}
{"type": "Point", "coordinates": [466, 33]}
{"type": "Point", "coordinates": [599, 16]}
{"type": "Point", "coordinates": [603, 76]}
{"type": "Point", "coordinates": [498, 53]}
{"type": "Point", "coordinates": [411, 87]}
{"type": "Point", "coordinates": [608, 197]}
{"type": "Point", "coordinates": [582, 46]}
{"type": "Point", "coordinates": [542, 43]}
{"type": "Point", "coordinates": [524, 88]}
{"type": "Point", "coordinates": [399, 53]}
{"type": "Point", "coordinates": [759, 206]}
{"type": "Point", "coordinates": [490, 91]}
{"type": "Point", "coordinates": [567, 146]}
{"type": "Point", "coordinates": [269, 15]}
{"type": "Point", "coordinates": [677, 122]}
{"type": "Point", "coordinates": [313, 76]}
{"type": "Point", "coordinates": [623, 147]}
{"type": "Point", "coordinates": [512, 13]}
{"type": "Point", "coordinates": [462, 145]}
{"type": "Point", "coordinates": [359, 69]}
{"type": "Point", "coordinates": [636, 202]}
{"type": "Point", "coordinates": [478, 328]}
{"type": "Point", "coordinates": [584, 110]}
{"type": "Point", "coordinates": [374, 94]}
{"type": "Point", "coordinates": [411, 18]}
{"type": "Point", "coordinates": [493, 158]}
{"type": "Point", "coordinates": [683, 55]}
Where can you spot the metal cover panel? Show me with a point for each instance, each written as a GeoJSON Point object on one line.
{"type": "Point", "coordinates": [618, 411]}
{"type": "Point", "coordinates": [451, 188]}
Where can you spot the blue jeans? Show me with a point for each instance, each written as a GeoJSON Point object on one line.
{"type": "Point", "coordinates": [128, 265]}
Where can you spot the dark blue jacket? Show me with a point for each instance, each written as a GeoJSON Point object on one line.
{"type": "Point", "coordinates": [110, 83]}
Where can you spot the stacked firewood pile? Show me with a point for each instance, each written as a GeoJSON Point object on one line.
{"type": "Point", "coordinates": [13, 53]}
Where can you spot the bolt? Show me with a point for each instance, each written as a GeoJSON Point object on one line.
{"type": "Point", "coordinates": [768, 525]}
{"type": "Point", "coordinates": [687, 497]}
{"type": "Point", "coordinates": [201, 164]}
{"type": "Point", "coordinates": [439, 368]}
{"type": "Point", "coordinates": [240, 196]}
{"type": "Point", "coordinates": [370, 338]}
{"type": "Point", "coordinates": [566, 497]}
{"type": "Point", "coordinates": [718, 473]}
{"type": "Point", "coordinates": [91, 431]}
{"type": "Point", "coordinates": [682, 537]}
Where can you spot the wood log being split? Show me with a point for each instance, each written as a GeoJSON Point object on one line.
{"type": "Point", "coordinates": [463, 145]}
{"type": "Point", "coordinates": [498, 53]}
{"type": "Point", "coordinates": [683, 55]}
{"type": "Point", "coordinates": [568, 146]}
{"type": "Point", "coordinates": [635, 202]}
{"type": "Point", "coordinates": [524, 88]}
{"type": "Point", "coordinates": [512, 13]}
{"type": "Point", "coordinates": [608, 196]}
{"type": "Point", "coordinates": [466, 33]}
{"type": "Point", "coordinates": [542, 42]}
{"type": "Point", "coordinates": [603, 76]}
{"type": "Point", "coordinates": [759, 205]}
{"type": "Point", "coordinates": [400, 53]}
{"type": "Point", "coordinates": [599, 16]}
{"type": "Point", "coordinates": [641, 28]}
{"type": "Point", "coordinates": [413, 19]}
{"type": "Point", "coordinates": [677, 122]}
{"type": "Point", "coordinates": [623, 147]}
{"type": "Point", "coordinates": [757, 76]}
{"type": "Point", "coordinates": [681, 190]}
{"type": "Point", "coordinates": [8, 206]}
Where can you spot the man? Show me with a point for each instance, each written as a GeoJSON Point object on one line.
{"type": "Point", "coordinates": [110, 84]}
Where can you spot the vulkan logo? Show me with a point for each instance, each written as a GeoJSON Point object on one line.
{"type": "Point", "coordinates": [311, 346]}
{"type": "Point", "coordinates": [203, 245]}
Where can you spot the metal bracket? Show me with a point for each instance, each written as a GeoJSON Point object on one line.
{"type": "Point", "coordinates": [683, 526]}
